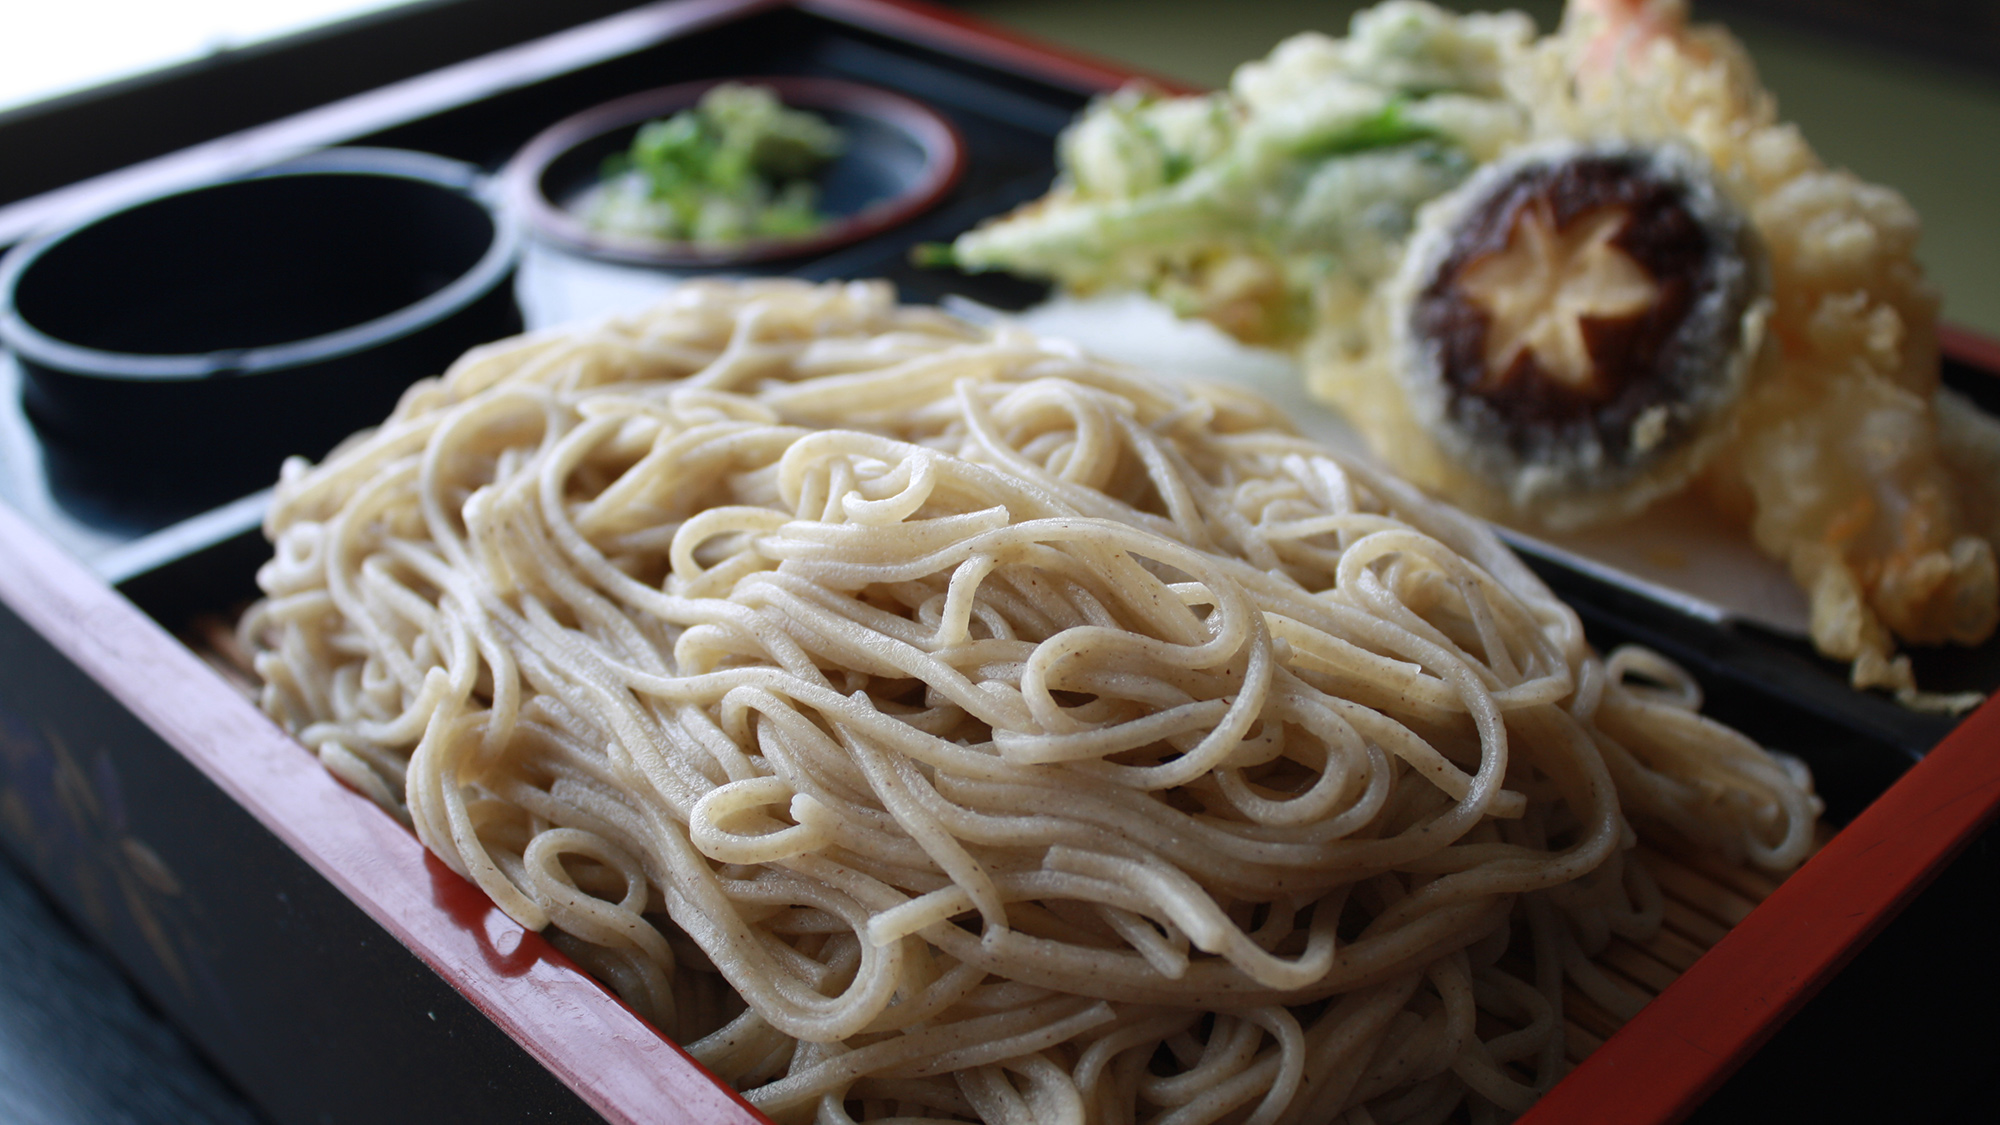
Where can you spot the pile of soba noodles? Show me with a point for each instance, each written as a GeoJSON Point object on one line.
{"type": "Point", "coordinates": [925, 721]}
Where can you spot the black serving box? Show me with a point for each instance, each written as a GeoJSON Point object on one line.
{"type": "Point", "coordinates": [335, 974]}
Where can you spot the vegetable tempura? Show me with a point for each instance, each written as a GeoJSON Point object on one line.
{"type": "Point", "coordinates": [1558, 278]}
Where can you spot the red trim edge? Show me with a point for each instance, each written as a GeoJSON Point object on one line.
{"type": "Point", "coordinates": [617, 1063]}
{"type": "Point", "coordinates": [1969, 346]}
{"type": "Point", "coordinates": [936, 25]}
{"type": "Point", "coordinates": [1654, 1071]}
{"type": "Point", "coordinates": [1687, 1042]}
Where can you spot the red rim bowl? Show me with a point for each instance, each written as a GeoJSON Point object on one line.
{"type": "Point", "coordinates": [900, 158]}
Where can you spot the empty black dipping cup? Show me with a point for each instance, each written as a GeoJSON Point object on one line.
{"type": "Point", "coordinates": [174, 352]}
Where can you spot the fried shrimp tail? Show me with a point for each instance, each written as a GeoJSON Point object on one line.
{"type": "Point", "coordinates": [1838, 465]}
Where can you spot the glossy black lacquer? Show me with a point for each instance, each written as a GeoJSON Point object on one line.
{"type": "Point", "coordinates": [1774, 687]}
{"type": "Point", "coordinates": [303, 1001]}
{"type": "Point", "coordinates": [174, 352]}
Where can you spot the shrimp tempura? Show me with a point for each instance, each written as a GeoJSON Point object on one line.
{"type": "Point", "coordinates": [1838, 464]}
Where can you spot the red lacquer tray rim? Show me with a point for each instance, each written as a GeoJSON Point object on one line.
{"type": "Point", "coordinates": [628, 1071]}
{"type": "Point", "coordinates": [1677, 1051]}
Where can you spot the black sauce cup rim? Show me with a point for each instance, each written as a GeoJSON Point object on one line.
{"type": "Point", "coordinates": [32, 344]}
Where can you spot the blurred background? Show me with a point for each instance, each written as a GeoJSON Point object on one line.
{"type": "Point", "coordinates": [1903, 93]}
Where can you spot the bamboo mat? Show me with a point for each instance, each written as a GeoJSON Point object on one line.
{"type": "Point", "coordinates": [1704, 898]}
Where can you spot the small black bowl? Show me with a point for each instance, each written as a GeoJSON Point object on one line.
{"type": "Point", "coordinates": [898, 158]}
{"type": "Point", "coordinates": [175, 351]}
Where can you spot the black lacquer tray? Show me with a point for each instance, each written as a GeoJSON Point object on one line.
{"type": "Point", "coordinates": [285, 954]}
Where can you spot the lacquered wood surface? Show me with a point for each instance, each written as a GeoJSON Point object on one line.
{"type": "Point", "coordinates": [616, 1062]}
{"type": "Point", "coordinates": [1653, 1071]}
{"type": "Point", "coordinates": [1689, 1040]}
{"type": "Point", "coordinates": [953, 31]}
{"type": "Point", "coordinates": [338, 122]}
{"type": "Point", "coordinates": [78, 1046]}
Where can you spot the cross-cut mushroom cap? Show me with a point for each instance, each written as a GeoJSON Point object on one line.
{"type": "Point", "coordinates": [1577, 321]}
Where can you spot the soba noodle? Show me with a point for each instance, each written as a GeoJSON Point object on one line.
{"type": "Point", "coordinates": [921, 721]}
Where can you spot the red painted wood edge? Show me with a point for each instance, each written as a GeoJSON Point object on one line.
{"type": "Point", "coordinates": [1703, 1028]}
{"type": "Point", "coordinates": [337, 122]}
{"type": "Point", "coordinates": [1970, 347]}
{"type": "Point", "coordinates": [1687, 1043]}
{"type": "Point", "coordinates": [1684, 1045]}
{"type": "Point", "coordinates": [616, 1062]}
{"type": "Point", "coordinates": [1693, 1037]}
{"type": "Point", "coordinates": [949, 30]}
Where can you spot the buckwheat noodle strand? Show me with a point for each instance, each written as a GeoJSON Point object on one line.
{"type": "Point", "coordinates": [921, 721]}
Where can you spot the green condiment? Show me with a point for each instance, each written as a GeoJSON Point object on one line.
{"type": "Point", "coordinates": [731, 170]}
